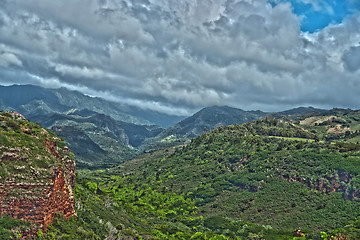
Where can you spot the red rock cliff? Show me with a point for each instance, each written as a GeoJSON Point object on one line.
{"type": "Point", "coordinates": [33, 186]}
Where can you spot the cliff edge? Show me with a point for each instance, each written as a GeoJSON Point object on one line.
{"type": "Point", "coordinates": [37, 173]}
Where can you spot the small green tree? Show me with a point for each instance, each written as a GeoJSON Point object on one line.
{"type": "Point", "coordinates": [40, 234]}
{"type": "Point", "coordinates": [92, 186]}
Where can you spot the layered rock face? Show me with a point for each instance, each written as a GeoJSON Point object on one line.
{"type": "Point", "coordinates": [37, 173]}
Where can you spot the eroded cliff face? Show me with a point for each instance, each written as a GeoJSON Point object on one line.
{"type": "Point", "coordinates": [37, 173]}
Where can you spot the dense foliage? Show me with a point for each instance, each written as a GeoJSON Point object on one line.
{"type": "Point", "coordinates": [10, 228]}
{"type": "Point", "coordinates": [261, 179]}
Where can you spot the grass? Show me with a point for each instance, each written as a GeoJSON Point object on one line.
{"type": "Point", "coordinates": [295, 139]}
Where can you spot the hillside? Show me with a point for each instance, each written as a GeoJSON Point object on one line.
{"type": "Point", "coordinates": [204, 120]}
{"type": "Point", "coordinates": [103, 134]}
{"type": "Point", "coordinates": [37, 175]}
{"type": "Point", "coordinates": [100, 133]}
{"type": "Point", "coordinates": [336, 125]}
{"type": "Point", "coordinates": [96, 139]}
{"type": "Point", "coordinates": [270, 173]}
{"type": "Point", "coordinates": [300, 111]}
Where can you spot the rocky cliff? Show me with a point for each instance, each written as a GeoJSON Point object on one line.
{"type": "Point", "coordinates": [37, 173]}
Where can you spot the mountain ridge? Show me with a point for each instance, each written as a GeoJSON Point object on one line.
{"type": "Point", "coordinates": [96, 129]}
{"type": "Point", "coordinates": [206, 119]}
{"type": "Point", "coordinates": [34, 100]}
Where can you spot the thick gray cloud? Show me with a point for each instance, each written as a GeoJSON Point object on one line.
{"type": "Point", "coordinates": [352, 59]}
{"type": "Point", "coordinates": [179, 56]}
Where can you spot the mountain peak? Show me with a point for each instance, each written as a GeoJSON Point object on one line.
{"type": "Point", "coordinates": [209, 118]}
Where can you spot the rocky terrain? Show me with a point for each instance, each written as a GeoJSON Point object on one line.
{"type": "Point", "coordinates": [37, 173]}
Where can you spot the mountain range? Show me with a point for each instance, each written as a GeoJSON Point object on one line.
{"type": "Point", "coordinates": [103, 133]}
{"type": "Point", "coordinates": [33, 100]}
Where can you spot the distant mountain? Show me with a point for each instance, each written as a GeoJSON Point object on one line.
{"type": "Point", "coordinates": [34, 100]}
{"type": "Point", "coordinates": [100, 133]}
{"type": "Point", "coordinates": [207, 119]}
{"type": "Point", "coordinates": [301, 111]}
{"type": "Point", "coordinates": [103, 133]}
{"type": "Point", "coordinates": [97, 139]}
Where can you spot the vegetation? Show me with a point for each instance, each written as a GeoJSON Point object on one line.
{"type": "Point", "coordinates": [10, 228]}
{"type": "Point", "coordinates": [97, 140]}
{"type": "Point", "coordinates": [24, 153]}
{"type": "Point", "coordinates": [266, 179]}
{"type": "Point", "coordinates": [336, 125]}
{"type": "Point", "coordinates": [263, 179]}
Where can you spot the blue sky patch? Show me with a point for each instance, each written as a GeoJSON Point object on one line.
{"type": "Point", "coordinates": [316, 15]}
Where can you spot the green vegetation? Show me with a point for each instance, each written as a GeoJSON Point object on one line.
{"type": "Point", "coordinates": [24, 154]}
{"type": "Point", "coordinates": [102, 215]}
{"type": "Point", "coordinates": [10, 228]}
{"type": "Point", "coordinates": [97, 140]}
{"type": "Point", "coordinates": [336, 125]}
{"type": "Point", "coordinates": [261, 180]}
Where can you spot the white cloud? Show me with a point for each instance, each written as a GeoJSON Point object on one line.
{"type": "Point", "coordinates": [181, 55]}
{"type": "Point", "coordinates": [9, 59]}
{"type": "Point", "coordinates": [320, 6]}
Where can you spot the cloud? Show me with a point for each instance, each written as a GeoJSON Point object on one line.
{"type": "Point", "coordinates": [180, 56]}
{"type": "Point", "coordinates": [351, 59]}
{"type": "Point", "coordinates": [320, 6]}
{"type": "Point", "coordinates": [8, 59]}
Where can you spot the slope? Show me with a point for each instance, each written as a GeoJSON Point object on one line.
{"type": "Point", "coordinates": [267, 172]}
{"type": "Point", "coordinates": [339, 125]}
{"type": "Point", "coordinates": [96, 139]}
{"type": "Point", "coordinates": [206, 119]}
{"type": "Point", "coordinates": [302, 111]}
{"type": "Point", "coordinates": [37, 174]}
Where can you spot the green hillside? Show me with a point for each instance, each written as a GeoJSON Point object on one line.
{"type": "Point", "coordinates": [24, 153]}
{"type": "Point", "coordinates": [97, 140]}
{"type": "Point", "coordinates": [336, 125]}
{"type": "Point", "coordinates": [273, 174]}
{"type": "Point", "coordinates": [264, 179]}
{"type": "Point", "coordinates": [202, 121]}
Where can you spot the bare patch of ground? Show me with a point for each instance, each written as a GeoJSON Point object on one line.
{"type": "Point", "coordinates": [338, 129]}
{"type": "Point", "coordinates": [311, 121]}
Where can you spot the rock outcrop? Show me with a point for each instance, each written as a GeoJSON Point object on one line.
{"type": "Point", "coordinates": [37, 173]}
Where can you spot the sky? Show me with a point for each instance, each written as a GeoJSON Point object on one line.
{"type": "Point", "coordinates": [180, 56]}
